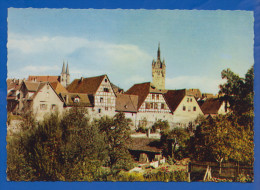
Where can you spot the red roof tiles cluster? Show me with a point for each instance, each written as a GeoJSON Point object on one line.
{"type": "Point", "coordinates": [86, 85]}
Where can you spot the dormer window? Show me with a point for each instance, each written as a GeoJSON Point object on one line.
{"type": "Point", "coordinates": [76, 99]}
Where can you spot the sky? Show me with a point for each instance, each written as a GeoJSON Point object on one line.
{"type": "Point", "coordinates": [196, 44]}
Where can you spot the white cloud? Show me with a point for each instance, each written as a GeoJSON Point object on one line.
{"type": "Point", "coordinates": [43, 55]}
{"type": "Point", "coordinates": [39, 69]}
{"type": "Point", "coordinates": [204, 83]}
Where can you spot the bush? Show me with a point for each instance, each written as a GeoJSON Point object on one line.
{"type": "Point", "coordinates": [163, 125]}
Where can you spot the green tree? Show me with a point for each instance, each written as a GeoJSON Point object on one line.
{"type": "Point", "coordinates": [176, 142]}
{"type": "Point", "coordinates": [163, 125]}
{"type": "Point", "coordinates": [240, 92]}
{"type": "Point", "coordinates": [116, 133]}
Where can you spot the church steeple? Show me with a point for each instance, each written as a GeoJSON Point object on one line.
{"type": "Point", "coordinates": [67, 68]}
{"type": "Point", "coordinates": [159, 52]}
{"type": "Point", "coordinates": [63, 68]}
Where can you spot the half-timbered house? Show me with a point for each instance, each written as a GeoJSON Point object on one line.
{"type": "Point", "coordinates": [151, 104]}
{"type": "Point", "coordinates": [100, 93]}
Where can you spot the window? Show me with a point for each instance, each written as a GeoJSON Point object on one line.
{"type": "Point", "coordinates": [162, 106]}
{"type": "Point", "coordinates": [106, 108]}
{"type": "Point", "coordinates": [147, 105]}
{"type": "Point", "coordinates": [105, 80]}
{"type": "Point", "coordinates": [155, 106]}
{"type": "Point", "coordinates": [151, 105]}
{"type": "Point", "coordinates": [99, 110]}
{"type": "Point", "coordinates": [157, 96]}
{"type": "Point", "coordinates": [191, 100]}
{"type": "Point", "coordinates": [106, 90]}
{"type": "Point", "coordinates": [43, 107]}
{"type": "Point", "coordinates": [184, 108]}
{"type": "Point", "coordinates": [76, 99]}
{"type": "Point", "coordinates": [188, 99]}
{"type": "Point", "coordinates": [101, 100]}
{"type": "Point", "coordinates": [194, 108]}
{"type": "Point", "coordinates": [53, 107]}
{"type": "Point", "coordinates": [153, 96]}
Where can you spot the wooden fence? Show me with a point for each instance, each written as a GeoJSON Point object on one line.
{"type": "Point", "coordinates": [228, 170]}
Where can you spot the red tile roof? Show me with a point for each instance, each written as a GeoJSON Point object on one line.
{"type": "Point", "coordinates": [145, 144]}
{"type": "Point", "coordinates": [126, 103]}
{"type": "Point", "coordinates": [211, 106]}
{"type": "Point", "coordinates": [44, 78]}
{"type": "Point", "coordinates": [58, 87]}
{"type": "Point", "coordinates": [141, 90]}
{"type": "Point", "coordinates": [86, 85]}
{"type": "Point", "coordinates": [174, 98]}
{"type": "Point", "coordinates": [83, 99]}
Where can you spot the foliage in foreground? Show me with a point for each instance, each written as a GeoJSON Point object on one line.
{"type": "Point", "coordinates": [67, 148]}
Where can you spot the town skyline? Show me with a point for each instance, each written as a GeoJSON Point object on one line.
{"type": "Point", "coordinates": [96, 42]}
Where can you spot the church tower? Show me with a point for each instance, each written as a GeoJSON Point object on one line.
{"type": "Point", "coordinates": [65, 76]}
{"type": "Point", "coordinates": [158, 71]}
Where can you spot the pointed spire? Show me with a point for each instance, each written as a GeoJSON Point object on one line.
{"type": "Point", "coordinates": [63, 68]}
{"type": "Point", "coordinates": [67, 69]}
{"type": "Point", "coordinates": [159, 52]}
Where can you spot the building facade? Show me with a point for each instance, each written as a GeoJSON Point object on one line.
{"type": "Point", "coordinates": [100, 93]}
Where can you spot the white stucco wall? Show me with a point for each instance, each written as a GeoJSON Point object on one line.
{"type": "Point", "coordinates": [46, 96]}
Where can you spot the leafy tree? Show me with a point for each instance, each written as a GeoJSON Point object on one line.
{"type": "Point", "coordinates": [239, 92]}
{"type": "Point", "coordinates": [222, 139]}
{"type": "Point", "coordinates": [177, 140]}
{"type": "Point", "coordinates": [116, 133]}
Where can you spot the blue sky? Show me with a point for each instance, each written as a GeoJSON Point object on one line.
{"type": "Point", "coordinates": [196, 44]}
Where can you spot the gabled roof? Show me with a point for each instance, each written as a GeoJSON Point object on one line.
{"type": "Point", "coordinates": [86, 85]}
{"type": "Point", "coordinates": [126, 103]}
{"type": "Point", "coordinates": [174, 98]}
{"type": "Point", "coordinates": [31, 86]}
{"type": "Point", "coordinates": [211, 106]}
{"type": "Point", "coordinates": [83, 99]}
{"type": "Point", "coordinates": [142, 90]}
{"type": "Point", "coordinates": [58, 87]}
{"type": "Point", "coordinates": [145, 144]}
{"type": "Point", "coordinates": [43, 78]}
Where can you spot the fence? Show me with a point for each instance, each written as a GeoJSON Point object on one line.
{"type": "Point", "coordinates": [229, 170]}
